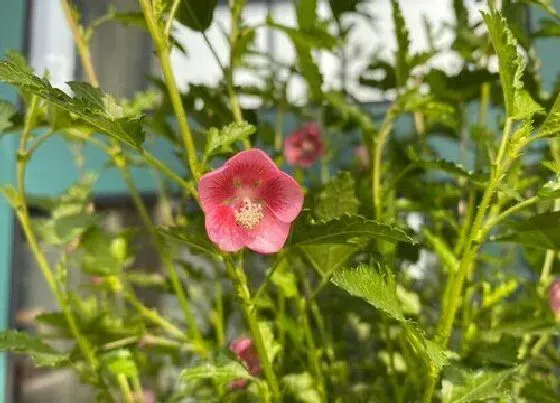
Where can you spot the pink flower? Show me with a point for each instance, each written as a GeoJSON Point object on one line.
{"type": "Point", "coordinates": [249, 202]}
{"type": "Point", "coordinates": [554, 297]}
{"type": "Point", "coordinates": [362, 155]}
{"type": "Point", "coordinates": [245, 350]}
{"type": "Point", "coordinates": [304, 146]}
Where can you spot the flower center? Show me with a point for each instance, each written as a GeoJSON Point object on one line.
{"type": "Point", "coordinates": [249, 214]}
{"type": "Point", "coordinates": [308, 146]}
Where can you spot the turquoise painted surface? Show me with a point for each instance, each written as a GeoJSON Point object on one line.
{"type": "Point", "coordinates": [11, 37]}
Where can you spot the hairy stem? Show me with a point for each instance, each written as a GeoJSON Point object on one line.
{"type": "Point", "coordinates": [23, 215]}
{"type": "Point", "coordinates": [454, 296]}
{"type": "Point", "coordinates": [239, 280]}
{"type": "Point", "coordinates": [162, 48]}
{"type": "Point", "coordinates": [377, 153]}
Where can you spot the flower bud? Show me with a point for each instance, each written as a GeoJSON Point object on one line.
{"type": "Point", "coordinates": [554, 297]}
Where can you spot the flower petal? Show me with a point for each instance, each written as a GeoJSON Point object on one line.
{"type": "Point", "coordinates": [251, 166]}
{"type": "Point", "coordinates": [283, 195]}
{"type": "Point", "coordinates": [215, 187]}
{"type": "Point", "coordinates": [270, 234]}
{"type": "Point", "coordinates": [223, 230]}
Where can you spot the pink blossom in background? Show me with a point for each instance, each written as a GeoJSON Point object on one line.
{"type": "Point", "coordinates": [362, 155]}
{"type": "Point", "coordinates": [304, 146]}
{"type": "Point", "coordinates": [554, 297]}
{"type": "Point", "coordinates": [245, 350]}
{"type": "Point", "coordinates": [249, 202]}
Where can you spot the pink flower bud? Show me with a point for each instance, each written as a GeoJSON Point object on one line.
{"type": "Point", "coordinates": [304, 146]}
{"type": "Point", "coordinates": [246, 353]}
{"type": "Point", "coordinates": [362, 155]}
{"type": "Point", "coordinates": [554, 297]}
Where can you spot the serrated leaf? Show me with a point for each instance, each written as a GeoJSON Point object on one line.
{"type": "Point", "coordinates": [463, 386]}
{"type": "Point", "coordinates": [518, 102]}
{"type": "Point", "coordinates": [347, 229]}
{"type": "Point", "coordinates": [220, 140]}
{"type": "Point", "coordinates": [43, 355]}
{"type": "Point", "coordinates": [379, 290]}
{"type": "Point", "coordinates": [550, 190]}
{"type": "Point", "coordinates": [196, 15]}
{"type": "Point", "coordinates": [61, 231]}
{"type": "Point", "coordinates": [540, 231]}
{"type": "Point", "coordinates": [551, 125]}
{"type": "Point", "coordinates": [338, 198]}
{"type": "Point", "coordinates": [434, 110]}
{"type": "Point", "coordinates": [220, 374]}
{"type": "Point", "coordinates": [451, 168]}
{"type": "Point", "coordinates": [85, 105]}
{"type": "Point", "coordinates": [7, 111]}
{"type": "Point", "coordinates": [401, 57]}
{"type": "Point", "coordinates": [194, 237]}
{"type": "Point", "coordinates": [327, 260]}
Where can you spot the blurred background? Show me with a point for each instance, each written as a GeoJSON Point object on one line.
{"type": "Point", "coordinates": [124, 59]}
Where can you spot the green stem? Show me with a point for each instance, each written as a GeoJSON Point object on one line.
{"type": "Point", "coordinates": [484, 103]}
{"type": "Point", "coordinates": [236, 7]}
{"type": "Point", "coordinates": [171, 17]}
{"type": "Point", "coordinates": [312, 356]}
{"type": "Point", "coordinates": [454, 296]}
{"type": "Point", "coordinates": [25, 220]}
{"type": "Point", "coordinates": [239, 280]}
{"type": "Point", "coordinates": [377, 152]}
{"type": "Point", "coordinates": [162, 48]}
{"type": "Point", "coordinates": [505, 214]}
{"type": "Point", "coordinates": [125, 388]}
{"type": "Point", "coordinates": [166, 260]}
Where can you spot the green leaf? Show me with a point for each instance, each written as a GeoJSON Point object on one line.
{"type": "Point", "coordinates": [550, 190]}
{"type": "Point", "coordinates": [193, 236]}
{"type": "Point", "coordinates": [7, 111]}
{"type": "Point", "coordinates": [462, 386]}
{"type": "Point", "coordinates": [221, 374]}
{"type": "Point", "coordinates": [401, 32]}
{"type": "Point", "coordinates": [433, 110]}
{"type": "Point", "coordinates": [88, 104]}
{"type": "Point", "coordinates": [338, 198]}
{"type": "Point", "coordinates": [196, 15]}
{"type": "Point", "coordinates": [377, 289]}
{"type": "Point", "coordinates": [120, 362]}
{"type": "Point", "coordinates": [219, 141]}
{"type": "Point", "coordinates": [451, 168]}
{"type": "Point", "coordinates": [43, 355]}
{"type": "Point", "coordinates": [540, 231]}
{"type": "Point", "coordinates": [348, 229]}
{"type": "Point", "coordinates": [518, 102]}
{"type": "Point", "coordinates": [302, 387]}
{"type": "Point", "coordinates": [551, 125]}
{"type": "Point", "coordinates": [327, 260]}
{"type": "Point", "coordinates": [285, 279]}
{"type": "Point", "coordinates": [271, 345]}
{"type": "Point", "coordinates": [61, 231]}
{"type": "Point", "coordinates": [313, 37]}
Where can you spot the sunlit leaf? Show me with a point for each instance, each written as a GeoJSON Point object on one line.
{"type": "Point", "coordinates": [219, 140]}
{"type": "Point", "coordinates": [220, 374]}
{"type": "Point", "coordinates": [87, 105]}
{"type": "Point", "coordinates": [462, 386]}
{"type": "Point", "coordinates": [7, 111]}
{"type": "Point", "coordinates": [302, 387]}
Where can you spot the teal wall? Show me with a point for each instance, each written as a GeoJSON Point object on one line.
{"type": "Point", "coordinates": [11, 37]}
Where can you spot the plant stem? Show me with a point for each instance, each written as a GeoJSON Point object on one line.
{"type": "Point", "coordinates": [125, 388]}
{"type": "Point", "coordinates": [169, 266]}
{"type": "Point", "coordinates": [312, 356]}
{"type": "Point", "coordinates": [25, 220]}
{"type": "Point", "coordinates": [377, 152]}
{"type": "Point", "coordinates": [454, 296]}
{"type": "Point", "coordinates": [239, 280]}
{"type": "Point", "coordinates": [81, 43]}
{"type": "Point", "coordinates": [171, 17]}
{"type": "Point", "coordinates": [162, 48]}
{"type": "Point", "coordinates": [505, 214]}
{"type": "Point", "coordinates": [236, 7]}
